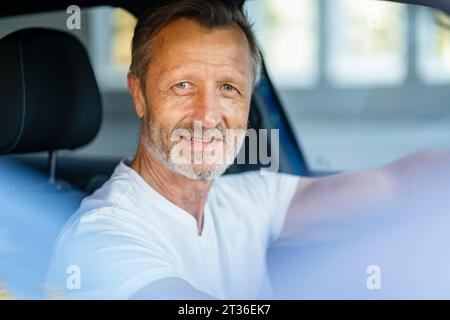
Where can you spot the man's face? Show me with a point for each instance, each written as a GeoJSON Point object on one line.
{"type": "Point", "coordinates": [197, 95]}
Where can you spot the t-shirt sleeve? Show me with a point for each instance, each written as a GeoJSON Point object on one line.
{"type": "Point", "coordinates": [98, 259]}
{"type": "Point", "coordinates": [273, 193]}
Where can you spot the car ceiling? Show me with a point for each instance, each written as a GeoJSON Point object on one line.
{"type": "Point", "coordinates": [12, 8]}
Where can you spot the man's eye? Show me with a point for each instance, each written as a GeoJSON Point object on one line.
{"type": "Point", "coordinates": [228, 87]}
{"type": "Point", "coordinates": [183, 85]}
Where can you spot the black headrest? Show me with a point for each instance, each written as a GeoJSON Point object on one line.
{"type": "Point", "coordinates": [49, 98]}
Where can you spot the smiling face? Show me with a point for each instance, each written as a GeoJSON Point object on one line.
{"type": "Point", "coordinates": [196, 100]}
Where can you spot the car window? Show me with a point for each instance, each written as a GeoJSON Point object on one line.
{"type": "Point", "coordinates": [363, 82]}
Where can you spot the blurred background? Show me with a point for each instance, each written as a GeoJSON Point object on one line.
{"type": "Point", "coordinates": [363, 82]}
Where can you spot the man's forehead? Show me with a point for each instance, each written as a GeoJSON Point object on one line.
{"type": "Point", "coordinates": [189, 46]}
{"type": "Point", "coordinates": [200, 65]}
{"type": "Point", "coordinates": [186, 37]}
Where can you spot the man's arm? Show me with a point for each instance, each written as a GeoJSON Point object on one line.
{"type": "Point", "coordinates": [333, 207]}
{"type": "Point", "coordinates": [170, 289]}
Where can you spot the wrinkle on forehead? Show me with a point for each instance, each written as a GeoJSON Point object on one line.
{"type": "Point", "coordinates": [184, 42]}
{"type": "Point", "coordinates": [203, 67]}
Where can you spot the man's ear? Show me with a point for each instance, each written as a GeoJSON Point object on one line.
{"type": "Point", "coordinates": [134, 86]}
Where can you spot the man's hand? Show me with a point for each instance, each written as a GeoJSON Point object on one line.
{"type": "Point", "coordinates": [334, 207]}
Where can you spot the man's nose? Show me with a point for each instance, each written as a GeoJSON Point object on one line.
{"type": "Point", "coordinates": [207, 110]}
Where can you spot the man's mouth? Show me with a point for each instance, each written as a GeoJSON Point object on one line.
{"type": "Point", "coordinates": [201, 143]}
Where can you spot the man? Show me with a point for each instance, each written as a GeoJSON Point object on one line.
{"type": "Point", "coordinates": [166, 224]}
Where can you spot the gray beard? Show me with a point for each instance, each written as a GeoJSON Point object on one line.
{"type": "Point", "coordinates": [157, 145]}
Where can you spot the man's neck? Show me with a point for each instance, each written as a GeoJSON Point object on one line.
{"type": "Point", "coordinates": [188, 194]}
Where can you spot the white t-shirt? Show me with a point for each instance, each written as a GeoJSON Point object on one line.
{"type": "Point", "coordinates": [127, 235]}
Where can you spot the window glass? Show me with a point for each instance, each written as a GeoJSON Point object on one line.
{"type": "Point", "coordinates": [382, 72]}
{"type": "Point", "coordinates": [365, 38]}
{"type": "Point", "coordinates": [433, 37]}
{"type": "Point", "coordinates": [287, 34]}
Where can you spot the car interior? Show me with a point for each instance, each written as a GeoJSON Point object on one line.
{"type": "Point", "coordinates": [50, 101]}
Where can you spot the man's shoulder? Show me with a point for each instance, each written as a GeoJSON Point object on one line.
{"type": "Point", "coordinates": [256, 187]}
{"type": "Point", "coordinates": [110, 193]}
{"type": "Point", "coordinates": [106, 208]}
{"type": "Point", "coordinates": [93, 222]}
{"type": "Point", "coordinates": [112, 197]}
